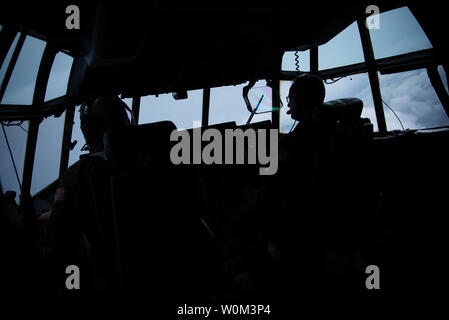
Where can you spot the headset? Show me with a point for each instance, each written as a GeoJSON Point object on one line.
{"type": "Point", "coordinates": [317, 88]}
{"type": "Point", "coordinates": [94, 127]}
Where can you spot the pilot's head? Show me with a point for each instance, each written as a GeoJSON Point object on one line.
{"type": "Point", "coordinates": [99, 115]}
{"type": "Point", "coordinates": [306, 92]}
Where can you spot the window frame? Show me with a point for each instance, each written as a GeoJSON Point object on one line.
{"type": "Point", "coordinates": [410, 61]}
{"type": "Point", "coordinates": [38, 109]}
{"type": "Point", "coordinates": [426, 58]}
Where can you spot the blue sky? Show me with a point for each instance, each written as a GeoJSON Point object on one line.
{"type": "Point", "coordinates": [410, 94]}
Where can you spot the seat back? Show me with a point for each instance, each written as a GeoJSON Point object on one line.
{"type": "Point", "coordinates": [161, 239]}
{"type": "Point", "coordinates": [339, 186]}
{"type": "Point", "coordinates": [100, 225]}
{"type": "Point", "coordinates": [340, 113]}
{"type": "Point", "coordinates": [139, 147]}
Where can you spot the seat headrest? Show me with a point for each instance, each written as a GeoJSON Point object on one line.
{"type": "Point", "coordinates": [344, 111]}
{"type": "Point", "coordinates": [139, 146]}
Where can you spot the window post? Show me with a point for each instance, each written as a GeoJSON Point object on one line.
{"type": "Point", "coordinates": [33, 130]}
{"type": "Point", "coordinates": [66, 140]}
{"type": "Point", "coordinates": [136, 109]}
{"type": "Point", "coordinates": [205, 109]}
{"type": "Point", "coordinates": [438, 85]}
{"type": "Point", "coordinates": [372, 75]}
{"type": "Point", "coordinates": [314, 60]}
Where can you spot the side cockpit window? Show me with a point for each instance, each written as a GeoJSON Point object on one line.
{"type": "Point", "coordinates": [409, 99]}
{"type": "Point", "coordinates": [8, 58]}
{"type": "Point", "coordinates": [49, 141]}
{"type": "Point", "coordinates": [19, 76]}
{"type": "Point", "coordinates": [343, 50]}
{"type": "Point", "coordinates": [48, 153]}
{"type": "Point", "coordinates": [20, 88]}
{"type": "Point", "coordinates": [398, 33]}
{"type": "Point", "coordinates": [16, 137]}
{"type": "Point", "coordinates": [59, 76]}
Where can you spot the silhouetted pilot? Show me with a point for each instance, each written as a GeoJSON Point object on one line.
{"type": "Point", "coordinates": [69, 221]}
{"type": "Point", "coordinates": [297, 149]}
{"type": "Point", "coordinates": [302, 150]}
{"type": "Point", "coordinates": [291, 221]}
{"type": "Point", "coordinates": [305, 95]}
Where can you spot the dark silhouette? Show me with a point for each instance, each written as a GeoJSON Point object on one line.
{"type": "Point", "coordinates": [313, 218]}
{"type": "Point", "coordinates": [73, 234]}
{"type": "Point", "coordinates": [306, 92]}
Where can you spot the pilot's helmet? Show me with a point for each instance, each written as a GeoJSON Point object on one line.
{"type": "Point", "coordinates": [101, 114]}
{"type": "Point", "coordinates": [306, 92]}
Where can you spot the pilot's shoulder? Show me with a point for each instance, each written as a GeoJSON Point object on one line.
{"type": "Point", "coordinates": [72, 174]}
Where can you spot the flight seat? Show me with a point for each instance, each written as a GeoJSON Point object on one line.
{"type": "Point", "coordinates": [100, 238]}
{"type": "Point", "coordinates": [321, 213]}
{"type": "Point", "coordinates": [162, 242]}
{"type": "Point", "coordinates": [343, 115]}
{"type": "Point", "coordinates": [85, 237]}
{"type": "Point", "coordinates": [341, 188]}
{"type": "Point", "coordinates": [139, 147]}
